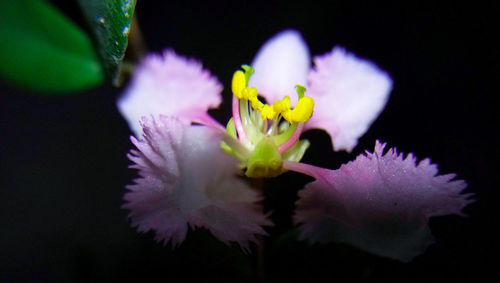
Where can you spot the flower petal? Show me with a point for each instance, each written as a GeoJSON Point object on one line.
{"type": "Point", "coordinates": [379, 203]}
{"type": "Point", "coordinates": [281, 63]}
{"type": "Point", "coordinates": [349, 92]}
{"type": "Point", "coordinates": [170, 85]}
{"type": "Point", "coordinates": [186, 179]}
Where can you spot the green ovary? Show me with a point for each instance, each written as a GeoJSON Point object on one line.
{"type": "Point", "coordinates": [265, 160]}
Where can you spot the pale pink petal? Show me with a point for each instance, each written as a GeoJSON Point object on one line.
{"type": "Point", "coordinates": [281, 63]}
{"type": "Point", "coordinates": [379, 203]}
{"type": "Point", "coordinates": [349, 92]}
{"type": "Point", "coordinates": [169, 84]}
{"type": "Point", "coordinates": [187, 180]}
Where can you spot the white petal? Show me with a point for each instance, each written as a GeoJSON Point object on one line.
{"type": "Point", "coordinates": [281, 63]}
{"type": "Point", "coordinates": [170, 85]}
{"type": "Point", "coordinates": [349, 94]}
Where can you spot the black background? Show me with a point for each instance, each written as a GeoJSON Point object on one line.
{"type": "Point", "coordinates": [63, 167]}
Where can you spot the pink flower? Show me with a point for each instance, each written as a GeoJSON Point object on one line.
{"type": "Point", "coordinates": [190, 174]}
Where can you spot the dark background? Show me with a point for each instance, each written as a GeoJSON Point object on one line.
{"type": "Point", "coordinates": [63, 167]}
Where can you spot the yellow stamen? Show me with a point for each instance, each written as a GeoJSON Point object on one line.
{"type": "Point", "coordinates": [250, 93]}
{"type": "Point", "coordinates": [302, 110]}
{"type": "Point", "coordinates": [239, 83]}
{"type": "Point", "coordinates": [267, 112]}
{"type": "Point", "coordinates": [256, 103]}
{"type": "Point", "coordinates": [282, 105]}
{"type": "Point", "coordinates": [300, 113]}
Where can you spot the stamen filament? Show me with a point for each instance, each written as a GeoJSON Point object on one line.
{"type": "Point", "coordinates": [240, 150]}
{"type": "Point", "coordinates": [265, 126]}
{"type": "Point", "coordinates": [286, 134]}
{"type": "Point", "coordinates": [242, 136]}
{"type": "Point", "coordinates": [273, 130]}
{"type": "Point", "coordinates": [247, 122]}
{"type": "Point", "coordinates": [292, 140]}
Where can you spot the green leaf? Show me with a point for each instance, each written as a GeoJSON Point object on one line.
{"type": "Point", "coordinates": [43, 50]}
{"type": "Point", "coordinates": [109, 21]}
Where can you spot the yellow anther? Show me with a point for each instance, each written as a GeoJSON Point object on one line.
{"type": "Point", "coordinates": [252, 93]}
{"type": "Point", "coordinates": [267, 112]}
{"type": "Point", "coordinates": [287, 115]}
{"type": "Point", "coordinates": [282, 105]}
{"type": "Point", "coordinates": [303, 110]}
{"type": "Point", "coordinates": [244, 94]}
{"type": "Point", "coordinates": [256, 103]}
{"type": "Point", "coordinates": [239, 83]}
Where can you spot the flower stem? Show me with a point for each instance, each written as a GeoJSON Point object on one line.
{"type": "Point", "coordinates": [258, 183]}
